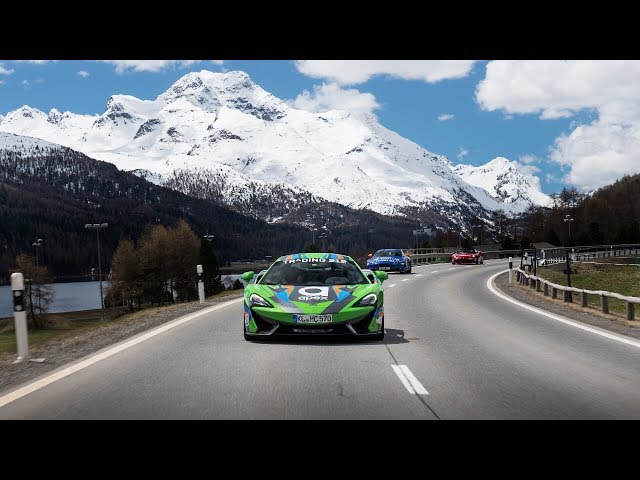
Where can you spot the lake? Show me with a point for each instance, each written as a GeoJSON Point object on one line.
{"type": "Point", "coordinates": [73, 296]}
{"type": "Point", "coordinates": [69, 297]}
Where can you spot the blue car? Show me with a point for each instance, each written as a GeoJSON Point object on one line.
{"type": "Point", "coordinates": [390, 260]}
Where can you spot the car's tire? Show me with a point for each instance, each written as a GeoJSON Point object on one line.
{"type": "Point", "coordinates": [481, 261]}
{"type": "Point", "coordinates": [410, 267]}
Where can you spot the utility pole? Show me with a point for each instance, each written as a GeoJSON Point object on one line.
{"type": "Point", "coordinates": [323, 235]}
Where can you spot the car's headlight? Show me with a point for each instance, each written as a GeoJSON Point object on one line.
{"type": "Point", "coordinates": [258, 301]}
{"type": "Point", "coordinates": [370, 299]}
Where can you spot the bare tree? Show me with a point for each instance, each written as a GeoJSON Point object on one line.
{"type": "Point", "coordinates": [38, 293]}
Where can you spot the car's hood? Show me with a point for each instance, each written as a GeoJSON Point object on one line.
{"type": "Point", "coordinates": [311, 299]}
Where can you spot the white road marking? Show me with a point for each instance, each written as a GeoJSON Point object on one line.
{"type": "Point", "coordinates": [435, 271]}
{"type": "Point", "coordinates": [405, 279]}
{"type": "Point", "coordinates": [409, 381]}
{"type": "Point", "coordinates": [392, 285]}
{"type": "Point", "coordinates": [419, 275]}
{"type": "Point", "coordinates": [596, 330]}
{"type": "Point", "coordinates": [43, 382]}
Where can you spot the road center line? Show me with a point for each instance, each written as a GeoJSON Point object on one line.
{"type": "Point", "coordinates": [43, 382]}
{"type": "Point", "coordinates": [409, 380]}
{"type": "Point", "coordinates": [391, 286]}
{"type": "Point", "coordinates": [597, 331]}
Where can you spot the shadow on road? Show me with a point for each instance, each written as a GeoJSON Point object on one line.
{"type": "Point", "coordinates": [392, 337]}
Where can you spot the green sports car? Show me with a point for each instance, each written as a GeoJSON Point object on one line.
{"type": "Point", "coordinates": [314, 294]}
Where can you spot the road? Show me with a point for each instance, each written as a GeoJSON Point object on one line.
{"type": "Point", "coordinates": [453, 350]}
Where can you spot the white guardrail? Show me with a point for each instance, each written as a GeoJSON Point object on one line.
{"type": "Point", "coordinates": [542, 284]}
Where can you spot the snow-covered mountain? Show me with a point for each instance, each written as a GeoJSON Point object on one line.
{"type": "Point", "coordinates": [227, 130]}
{"type": "Point", "coordinates": [501, 178]}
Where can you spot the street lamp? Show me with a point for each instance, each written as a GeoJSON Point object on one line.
{"type": "Point", "coordinates": [313, 235]}
{"type": "Point", "coordinates": [209, 238]}
{"type": "Point", "coordinates": [36, 244]}
{"type": "Point", "coordinates": [97, 227]}
{"type": "Point", "coordinates": [567, 219]}
{"type": "Point", "coordinates": [323, 235]}
{"type": "Point", "coordinates": [480, 227]}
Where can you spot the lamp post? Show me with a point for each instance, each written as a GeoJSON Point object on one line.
{"type": "Point", "coordinates": [37, 244]}
{"type": "Point", "coordinates": [313, 235]}
{"type": "Point", "coordinates": [567, 219]}
{"type": "Point", "coordinates": [209, 238]}
{"type": "Point", "coordinates": [97, 227]}
{"type": "Point", "coordinates": [480, 227]}
{"type": "Point", "coordinates": [323, 235]}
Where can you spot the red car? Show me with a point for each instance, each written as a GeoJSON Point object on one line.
{"type": "Point", "coordinates": [468, 255]}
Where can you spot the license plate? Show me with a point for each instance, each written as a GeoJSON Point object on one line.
{"type": "Point", "coordinates": [312, 318]}
{"type": "Point", "coordinates": [385, 268]}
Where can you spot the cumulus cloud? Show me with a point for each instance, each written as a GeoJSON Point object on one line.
{"type": "Point", "coordinates": [5, 71]}
{"type": "Point", "coordinates": [329, 96]}
{"type": "Point", "coordinates": [528, 159]}
{"type": "Point", "coordinates": [351, 72]}
{"type": "Point", "coordinates": [123, 66]}
{"type": "Point", "coordinates": [445, 116]}
{"type": "Point", "coordinates": [83, 73]}
{"type": "Point", "coordinates": [592, 154]}
{"type": "Point", "coordinates": [463, 152]}
{"type": "Point", "coordinates": [529, 171]}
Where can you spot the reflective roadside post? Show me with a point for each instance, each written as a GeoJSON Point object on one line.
{"type": "Point", "coordinates": [19, 317]}
{"type": "Point", "coordinates": [510, 270]}
{"type": "Point", "coordinates": [200, 284]}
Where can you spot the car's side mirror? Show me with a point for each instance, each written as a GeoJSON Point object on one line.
{"type": "Point", "coordinates": [382, 276]}
{"type": "Point", "coordinates": [247, 276]}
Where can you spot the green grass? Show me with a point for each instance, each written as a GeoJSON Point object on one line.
{"type": "Point", "coordinates": [611, 278]}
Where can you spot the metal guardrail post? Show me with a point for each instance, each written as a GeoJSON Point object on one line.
{"type": "Point", "coordinates": [583, 299]}
{"type": "Point", "coordinates": [545, 289]}
{"type": "Point", "coordinates": [554, 292]}
{"type": "Point", "coordinates": [538, 282]}
{"type": "Point", "coordinates": [604, 301]}
{"type": "Point", "coordinates": [629, 311]}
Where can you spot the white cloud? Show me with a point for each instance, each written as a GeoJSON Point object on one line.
{"type": "Point", "coordinates": [557, 88]}
{"type": "Point", "coordinates": [5, 71]}
{"type": "Point", "coordinates": [329, 96]}
{"type": "Point", "coordinates": [83, 73]}
{"type": "Point", "coordinates": [599, 153]}
{"type": "Point", "coordinates": [351, 72]}
{"type": "Point", "coordinates": [24, 83]}
{"type": "Point", "coordinates": [151, 65]}
{"type": "Point", "coordinates": [528, 159]}
{"type": "Point", "coordinates": [529, 172]}
{"type": "Point", "coordinates": [36, 62]}
{"type": "Point", "coordinates": [445, 116]}
{"type": "Point", "coordinates": [550, 178]}
{"type": "Point", "coordinates": [462, 153]}
{"type": "Point", "coordinates": [592, 154]}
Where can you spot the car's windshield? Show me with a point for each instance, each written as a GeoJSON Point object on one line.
{"type": "Point", "coordinates": [314, 272]}
{"type": "Point", "coordinates": [468, 250]}
{"type": "Point", "coordinates": [388, 253]}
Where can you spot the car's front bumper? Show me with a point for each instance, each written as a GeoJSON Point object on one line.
{"type": "Point", "coordinates": [259, 325]}
{"type": "Point", "coordinates": [466, 260]}
{"type": "Point", "coordinates": [386, 267]}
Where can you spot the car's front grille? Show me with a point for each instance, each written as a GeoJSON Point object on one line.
{"type": "Point", "coordinates": [263, 325]}
{"type": "Point", "coordinates": [296, 329]}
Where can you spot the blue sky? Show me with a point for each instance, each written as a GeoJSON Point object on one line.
{"type": "Point", "coordinates": [524, 109]}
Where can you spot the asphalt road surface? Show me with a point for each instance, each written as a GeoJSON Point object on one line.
{"type": "Point", "coordinates": [453, 350]}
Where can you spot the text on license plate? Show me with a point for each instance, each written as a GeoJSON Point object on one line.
{"type": "Point", "coordinates": [385, 268]}
{"type": "Point", "coordinates": [312, 318]}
